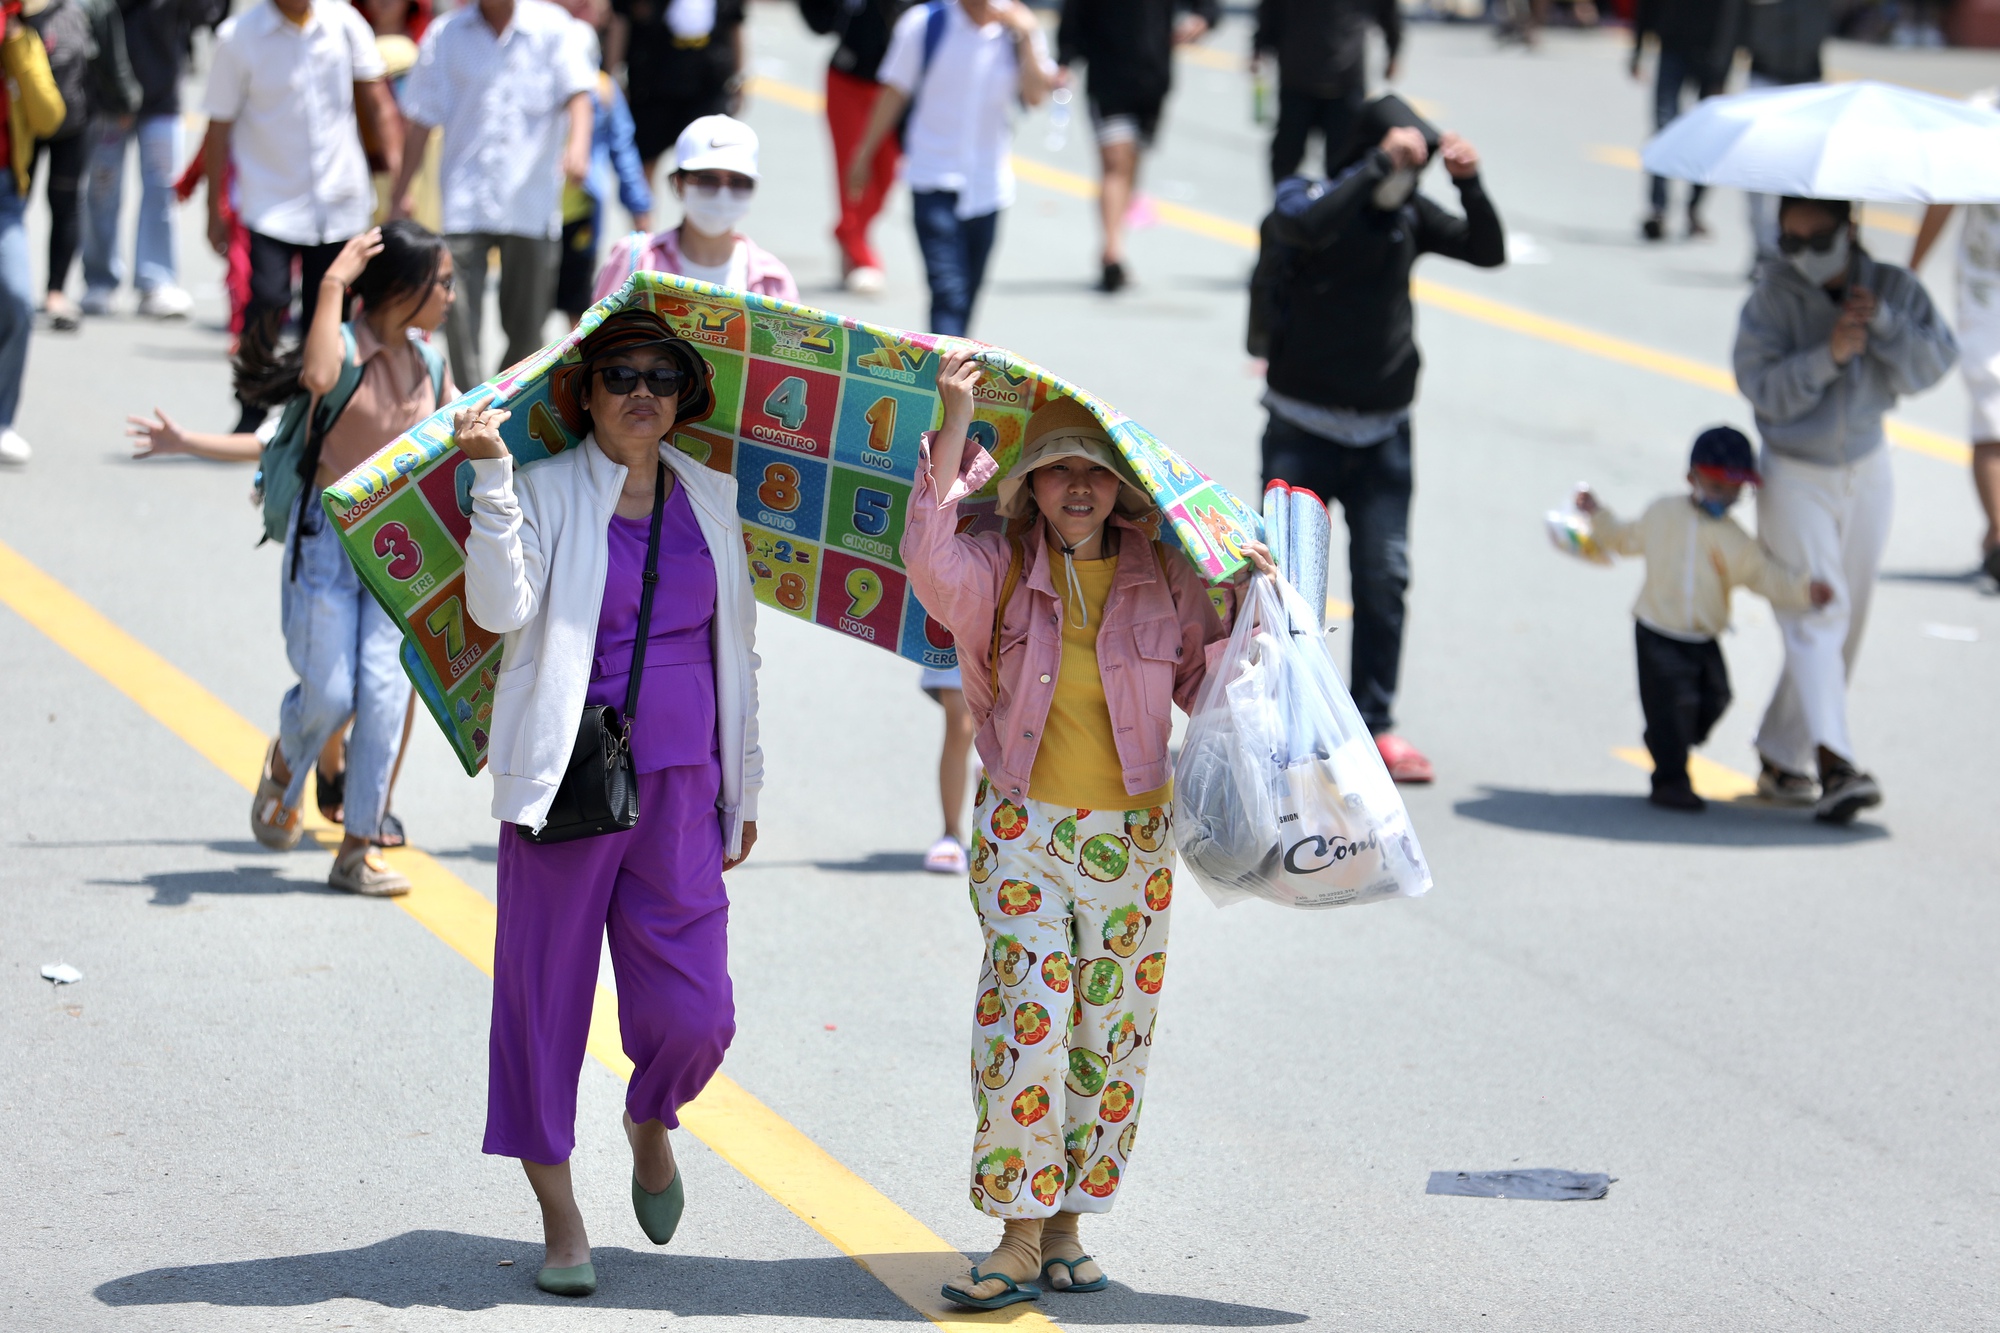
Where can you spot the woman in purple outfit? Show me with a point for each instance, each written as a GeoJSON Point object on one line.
{"type": "Point", "coordinates": [554, 562]}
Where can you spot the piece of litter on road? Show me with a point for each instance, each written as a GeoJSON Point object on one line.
{"type": "Point", "coordinates": [1541, 1182]}
{"type": "Point", "coordinates": [506, 1263]}
{"type": "Point", "coordinates": [1525, 249]}
{"type": "Point", "coordinates": [1952, 633]}
{"type": "Point", "coordinates": [62, 974]}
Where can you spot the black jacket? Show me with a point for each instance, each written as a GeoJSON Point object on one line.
{"type": "Point", "coordinates": [156, 41]}
{"type": "Point", "coordinates": [1129, 46]}
{"type": "Point", "coordinates": [1701, 31]}
{"type": "Point", "coordinates": [1330, 300]}
{"type": "Point", "coordinates": [1785, 37]}
{"type": "Point", "coordinates": [659, 69]}
{"type": "Point", "coordinates": [1322, 45]}
{"type": "Point", "coordinates": [864, 27]}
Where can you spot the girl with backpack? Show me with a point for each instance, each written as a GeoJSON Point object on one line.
{"type": "Point", "coordinates": [1087, 632]}
{"type": "Point", "coordinates": [349, 389]}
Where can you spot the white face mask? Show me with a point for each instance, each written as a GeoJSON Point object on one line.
{"type": "Point", "coordinates": [1395, 189]}
{"type": "Point", "coordinates": [714, 212]}
{"type": "Point", "coordinates": [1820, 269]}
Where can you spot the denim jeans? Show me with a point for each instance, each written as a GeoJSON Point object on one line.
{"type": "Point", "coordinates": [1670, 80]}
{"type": "Point", "coordinates": [104, 191]}
{"type": "Point", "coordinates": [955, 251]}
{"type": "Point", "coordinates": [17, 302]}
{"type": "Point", "coordinates": [1372, 485]}
{"type": "Point", "coordinates": [344, 648]}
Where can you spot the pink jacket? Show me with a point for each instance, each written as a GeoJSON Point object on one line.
{"type": "Point", "coordinates": [767, 276]}
{"type": "Point", "coordinates": [1153, 648]}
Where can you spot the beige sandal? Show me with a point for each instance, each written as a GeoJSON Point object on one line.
{"type": "Point", "coordinates": [353, 872]}
{"type": "Point", "coordinates": [273, 823]}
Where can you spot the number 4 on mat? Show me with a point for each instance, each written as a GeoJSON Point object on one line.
{"type": "Point", "coordinates": [787, 403]}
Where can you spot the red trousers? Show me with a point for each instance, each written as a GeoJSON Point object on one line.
{"type": "Point", "coordinates": [849, 103]}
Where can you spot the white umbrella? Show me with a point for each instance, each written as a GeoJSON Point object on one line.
{"type": "Point", "coordinates": [1862, 141]}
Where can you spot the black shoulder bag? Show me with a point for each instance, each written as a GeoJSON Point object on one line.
{"type": "Point", "coordinates": [599, 792]}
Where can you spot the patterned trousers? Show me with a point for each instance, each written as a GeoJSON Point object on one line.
{"type": "Point", "coordinates": [1073, 907]}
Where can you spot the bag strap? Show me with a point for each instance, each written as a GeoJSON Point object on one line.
{"type": "Point", "coordinates": [652, 579]}
{"type": "Point", "coordinates": [935, 17]}
{"type": "Point", "coordinates": [324, 414]}
{"type": "Point", "coordinates": [1015, 562]}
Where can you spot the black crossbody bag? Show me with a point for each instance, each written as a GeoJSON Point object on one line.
{"type": "Point", "coordinates": [599, 792]}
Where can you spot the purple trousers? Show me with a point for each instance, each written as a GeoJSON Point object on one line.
{"type": "Point", "coordinates": [657, 889]}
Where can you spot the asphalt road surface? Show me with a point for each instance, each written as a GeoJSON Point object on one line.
{"type": "Point", "coordinates": [261, 1107]}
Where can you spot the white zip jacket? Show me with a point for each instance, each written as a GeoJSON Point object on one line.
{"type": "Point", "coordinates": [535, 565]}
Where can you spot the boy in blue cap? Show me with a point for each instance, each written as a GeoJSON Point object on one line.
{"type": "Point", "coordinates": [1695, 555]}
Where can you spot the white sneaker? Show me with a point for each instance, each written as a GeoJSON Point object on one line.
{"type": "Point", "coordinates": [97, 300]}
{"type": "Point", "coordinates": [165, 303]}
{"type": "Point", "coordinates": [14, 449]}
{"type": "Point", "coordinates": [866, 281]}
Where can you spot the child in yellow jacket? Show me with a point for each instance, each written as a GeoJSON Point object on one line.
{"type": "Point", "coordinates": [1695, 555]}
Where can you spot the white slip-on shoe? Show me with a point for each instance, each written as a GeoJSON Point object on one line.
{"type": "Point", "coordinates": [946, 857]}
{"type": "Point", "coordinates": [867, 280]}
{"type": "Point", "coordinates": [358, 872]}
{"type": "Point", "coordinates": [14, 449]}
{"type": "Point", "coordinates": [167, 302]}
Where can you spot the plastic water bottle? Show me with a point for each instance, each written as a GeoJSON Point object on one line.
{"type": "Point", "coordinates": [1262, 93]}
{"type": "Point", "coordinates": [1058, 120]}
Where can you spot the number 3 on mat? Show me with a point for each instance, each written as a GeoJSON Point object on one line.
{"type": "Point", "coordinates": [787, 403]}
{"type": "Point", "coordinates": [395, 545]}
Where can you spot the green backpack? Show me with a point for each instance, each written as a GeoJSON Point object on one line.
{"type": "Point", "coordinates": [291, 456]}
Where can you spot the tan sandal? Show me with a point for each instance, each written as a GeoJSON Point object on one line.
{"type": "Point", "coordinates": [354, 872]}
{"type": "Point", "coordinates": [273, 823]}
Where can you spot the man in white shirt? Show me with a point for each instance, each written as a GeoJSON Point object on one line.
{"type": "Point", "coordinates": [288, 80]}
{"type": "Point", "coordinates": [959, 68]}
{"type": "Point", "coordinates": [508, 82]}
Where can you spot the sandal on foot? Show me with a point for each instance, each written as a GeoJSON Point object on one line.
{"type": "Point", "coordinates": [330, 793]}
{"type": "Point", "coordinates": [1099, 1283]}
{"type": "Point", "coordinates": [389, 833]}
{"type": "Point", "coordinates": [273, 823]}
{"type": "Point", "coordinates": [354, 873]}
{"type": "Point", "coordinates": [660, 1213]}
{"type": "Point", "coordinates": [1015, 1293]}
{"type": "Point", "coordinates": [580, 1280]}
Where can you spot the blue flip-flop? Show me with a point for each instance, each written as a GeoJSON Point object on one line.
{"type": "Point", "coordinates": [1099, 1283]}
{"type": "Point", "coordinates": [1015, 1293]}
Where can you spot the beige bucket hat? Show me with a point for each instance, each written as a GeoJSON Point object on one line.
{"type": "Point", "coordinates": [1064, 428]}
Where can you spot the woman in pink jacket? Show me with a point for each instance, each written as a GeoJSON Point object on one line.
{"type": "Point", "coordinates": [1078, 634]}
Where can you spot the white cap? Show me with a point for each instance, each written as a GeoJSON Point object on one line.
{"type": "Point", "coordinates": [717, 143]}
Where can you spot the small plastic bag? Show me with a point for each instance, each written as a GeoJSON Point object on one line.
{"type": "Point", "coordinates": [1569, 532]}
{"type": "Point", "coordinates": [1280, 793]}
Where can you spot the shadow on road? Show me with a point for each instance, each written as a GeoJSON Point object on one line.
{"type": "Point", "coordinates": [1590, 814]}
{"type": "Point", "coordinates": [452, 1271]}
{"type": "Point", "coordinates": [175, 888]}
{"type": "Point", "coordinates": [1970, 578]}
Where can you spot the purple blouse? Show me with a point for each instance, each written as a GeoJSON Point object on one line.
{"type": "Point", "coordinates": [676, 714]}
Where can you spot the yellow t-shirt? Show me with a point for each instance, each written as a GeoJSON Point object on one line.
{"type": "Point", "coordinates": [1077, 761]}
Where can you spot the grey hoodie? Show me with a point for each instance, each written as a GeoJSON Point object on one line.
{"type": "Point", "coordinates": [1808, 408]}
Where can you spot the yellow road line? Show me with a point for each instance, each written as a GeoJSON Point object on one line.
{"type": "Point", "coordinates": [901, 1252]}
{"type": "Point", "coordinates": [1711, 781]}
{"type": "Point", "coordinates": [1485, 309]}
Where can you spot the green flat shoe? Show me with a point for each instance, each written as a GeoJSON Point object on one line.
{"type": "Point", "coordinates": [1016, 1291]}
{"type": "Point", "coordinates": [659, 1213]}
{"type": "Point", "coordinates": [1069, 1266]}
{"type": "Point", "coordinates": [578, 1281]}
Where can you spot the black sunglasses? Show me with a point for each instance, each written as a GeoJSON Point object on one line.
{"type": "Point", "coordinates": [1819, 242]}
{"type": "Point", "coordinates": [661, 381]}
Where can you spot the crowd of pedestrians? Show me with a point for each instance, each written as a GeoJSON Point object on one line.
{"type": "Point", "coordinates": [614, 571]}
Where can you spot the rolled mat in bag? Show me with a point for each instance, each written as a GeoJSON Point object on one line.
{"type": "Point", "coordinates": [1278, 525]}
{"type": "Point", "coordinates": [1312, 532]}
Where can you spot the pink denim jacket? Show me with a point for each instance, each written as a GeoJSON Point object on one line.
{"type": "Point", "coordinates": [1154, 647]}
{"type": "Point", "coordinates": [766, 275]}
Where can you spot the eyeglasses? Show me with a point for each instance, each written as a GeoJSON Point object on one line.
{"type": "Point", "coordinates": [1819, 242]}
{"type": "Point", "coordinates": [661, 381]}
{"type": "Point", "coordinates": [708, 184]}
{"type": "Point", "coordinates": [446, 284]}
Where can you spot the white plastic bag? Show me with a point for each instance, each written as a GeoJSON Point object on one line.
{"type": "Point", "coordinates": [1280, 793]}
